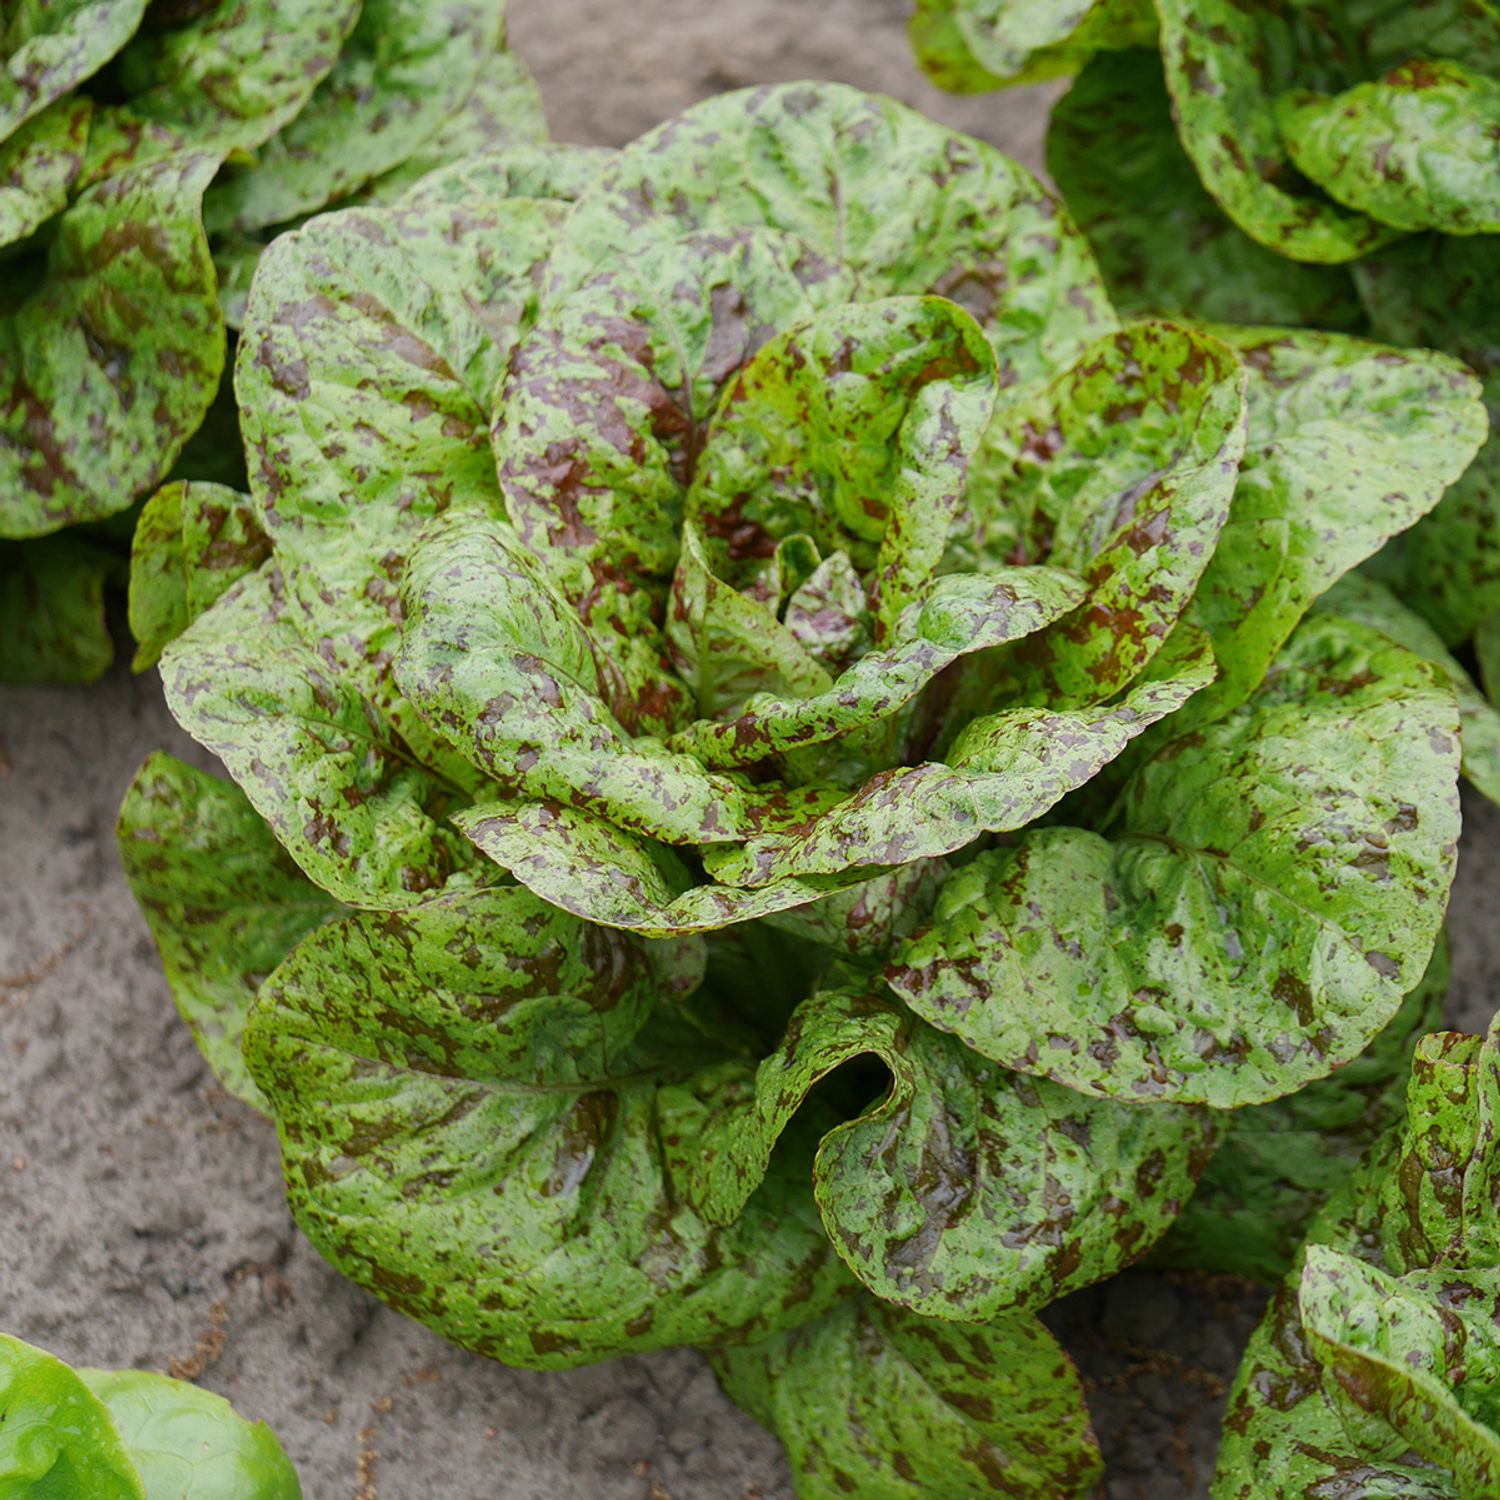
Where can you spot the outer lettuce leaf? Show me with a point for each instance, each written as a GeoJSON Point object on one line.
{"type": "Point", "coordinates": [407, 69]}
{"type": "Point", "coordinates": [1280, 1161]}
{"type": "Point", "coordinates": [1266, 891]}
{"type": "Point", "coordinates": [191, 543]}
{"type": "Point", "coordinates": [1225, 66]}
{"type": "Point", "coordinates": [38, 165]}
{"type": "Point", "coordinates": [128, 1435]}
{"type": "Point", "coordinates": [1415, 149]}
{"type": "Point", "coordinates": [370, 347]}
{"type": "Point", "coordinates": [227, 78]}
{"type": "Point", "coordinates": [484, 1147]}
{"type": "Point", "coordinates": [973, 46]}
{"type": "Point", "coordinates": [108, 367]}
{"type": "Point", "coordinates": [223, 900]}
{"type": "Point", "coordinates": [52, 610]}
{"type": "Point", "coordinates": [189, 1444]}
{"type": "Point", "coordinates": [1164, 245]}
{"type": "Point", "coordinates": [1355, 1376]}
{"type": "Point", "coordinates": [1350, 443]}
{"type": "Point", "coordinates": [906, 205]}
{"type": "Point", "coordinates": [549, 170]}
{"type": "Point", "coordinates": [877, 1402]}
{"type": "Point", "coordinates": [965, 1190]}
{"type": "Point", "coordinates": [51, 46]}
{"type": "Point", "coordinates": [325, 766]}
{"type": "Point", "coordinates": [56, 1433]}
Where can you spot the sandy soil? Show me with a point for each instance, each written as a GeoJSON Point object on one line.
{"type": "Point", "coordinates": [142, 1215]}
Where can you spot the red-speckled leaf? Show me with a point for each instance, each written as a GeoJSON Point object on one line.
{"type": "Point", "coordinates": [51, 46]}
{"type": "Point", "coordinates": [1416, 149]}
{"type": "Point", "coordinates": [874, 1401]}
{"type": "Point", "coordinates": [908, 206]}
{"type": "Point", "coordinates": [1164, 245]}
{"type": "Point", "coordinates": [37, 167]}
{"type": "Point", "coordinates": [321, 763]}
{"type": "Point", "coordinates": [1266, 892]}
{"type": "Point", "coordinates": [469, 1130]}
{"type": "Point", "coordinates": [1121, 470]}
{"type": "Point", "coordinates": [108, 367]}
{"type": "Point", "coordinates": [219, 77]}
{"type": "Point", "coordinates": [371, 344]}
{"type": "Point", "coordinates": [223, 900]}
{"type": "Point", "coordinates": [965, 1190]}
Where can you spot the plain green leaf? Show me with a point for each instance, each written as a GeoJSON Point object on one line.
{"type": "Point", "coordinates": [52, 626]}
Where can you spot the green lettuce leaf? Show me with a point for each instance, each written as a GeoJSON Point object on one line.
{"type": "Point", "coordinates": [1164, 245]}
{"type": "Point", "coordinates": [51, 46]}
{"type": "Point", "coordinates": [1415, 149]}
{"type": "Point", "coordinates": [325, 766]}
{"type": "Point", "coordinates": [225, 77]}
{"type": "Point", "coordinates": [109, 365]}
{"type": "Point", "coordinates": [874, 1401]}
{"type": "Point", "coordinates": [965, 1190]}
{"type": "Point", "coordinates": [484, 1147]}
{"type": "Point", "coordinates": [1266, 891]}
{"type": "Point", "coordinates": [904, 204]}
{"type": "Point", "coordinates": [223, 900]}
{"type": "Point", "coordinates": [191, 543]}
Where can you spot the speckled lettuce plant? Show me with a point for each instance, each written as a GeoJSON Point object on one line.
{"type": "Point", "coordinates": [147, 154]}
{"type": "Point", "coordinates": [785, 774]}
{"type": "Point", "coordinates": [1377, 1368]}
{"type": "Point", "coordinates": [127, 1435]}
{"type": "Point", "coordinates": [1331, 164]}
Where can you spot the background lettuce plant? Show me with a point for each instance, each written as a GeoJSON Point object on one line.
{"type": "Point", "coordinates": [1331, 164]}
{"type": "Point", "coordinates": [147, 154]}
{"type": "Point", "coordinates": [784, 775]}
{"type": "Point", "coordinates": [128, 1435]}
{"type": "Point", "coordinates": [1377, 1366]}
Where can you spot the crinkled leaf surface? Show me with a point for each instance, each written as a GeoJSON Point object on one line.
{"type": "Point", "coordinates": [470, 1131]}
{"type": "Point", "coordinates": [52, 626]}
{"type": "Point", "coordinates": [1280, 1161]}
{"type": "Point", "coordinates": [371, 343]}
{"type": "Point", "coordinates": [965, 1190]}
{"type": "Point", "coordinates": [1006, 770]}
{"type": "Point", "coordinates": [193, 540]}
{"type": "Point", "coordinates": [550, 170]}
{"type": "Point", "coordinates": [1266, 891]}
{"type": "Point", "coordinates": [1420, 1207]}
{"type": "Point", "coordinates": [1419, 1352]}
{"type": "Point", "coordinates": [189, 1444]}
{"type": "Point", "coordinates": [108, 367]}
{"type": "Point", "coordinates": [601, 423]}
{"type": "Point", "coordinates": [1164, 245]}
{"type": "Point", "coordinates": [51, 46]}
{"type": "Point", "coordinates": [223, 900]}
{"type": "Point", "coordinates": [322, 764]}
{"type": "Point", "coordinates": [1416, 149]}
{"type": "Point", "coordinates": [1225, 66]}
{"type": "Point", "coordinates": [906, 205]}
{"type": "Point", "coordinates": [406, 69]}
{"type": "Point", "coordinates": [856, 429]}
{"type": "Point", "coordinates": [37, 167]}
{"type": "Point", "coordinates": [1122, 471]}
{"type": "Point", "coordinates": [874, 1401]}
{"type": "Point", "coordinates": [56, 1437]}
{"type": "Point", "coordinates": [224, 76]}
{"type": "Point", "coordinates": [1349, 443]}
{"type": "Point", "coordinates": [972, 46]}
